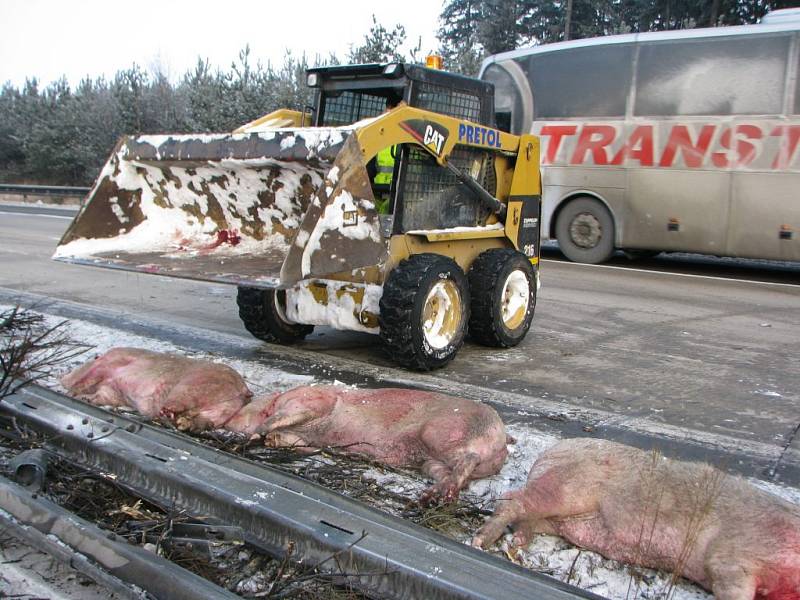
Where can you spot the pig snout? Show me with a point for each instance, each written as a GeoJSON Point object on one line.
{"type": "Point", "coordinates": [717, 530]}
{"type": "Point", "coordinates": [251, 417]}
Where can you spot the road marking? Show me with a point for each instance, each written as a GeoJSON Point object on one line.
{"type": "Point", "coordinates": [652, 272]}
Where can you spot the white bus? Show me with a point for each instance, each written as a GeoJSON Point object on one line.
{"type": "Point", "coordinates": [678, 141]}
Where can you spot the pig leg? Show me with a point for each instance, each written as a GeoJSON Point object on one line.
{"type": "Point", "coordinates": [730, 578]}
{"type": "Point", "coordinates": [105, 395]}
{"type": "Point", "coordinates": [510, 511]}
{"type": "Point", "coordinates": [288, 439]}
{"type": "Point", "coordinates": [448, 481]}
{"type": "Point", "coordinates": [743, 588]}
{"type": "Point", "coordinates": [548, 499]}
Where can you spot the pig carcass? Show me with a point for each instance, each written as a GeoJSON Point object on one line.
{"type": "Point", "coordinates": [195, 394]}
{"type": "Point", "coordinates": [453, 440]}
{"type": "Point", "coordinates": [641, 508]}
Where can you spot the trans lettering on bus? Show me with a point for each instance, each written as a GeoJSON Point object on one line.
{"type": "Point", "coordinates": [757, 145]}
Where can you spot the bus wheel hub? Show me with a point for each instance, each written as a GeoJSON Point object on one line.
{"type": "Point", "coordinates": [585, 230]}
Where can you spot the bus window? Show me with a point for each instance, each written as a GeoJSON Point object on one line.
{"type": "Point", "coordinates": [590, 81]}
{"type": "Point", "coordinates": [507, 99]}
{"type": "Point", "coordinates": [712, 76]}
{"type": "Point", "coordinates": [797, 88]}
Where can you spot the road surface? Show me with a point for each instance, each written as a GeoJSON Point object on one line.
{"type": "Point", "coordinates": [705, 346]}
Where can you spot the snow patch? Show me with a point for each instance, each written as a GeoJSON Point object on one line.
{"type": "Point", "coordinates": [340, 312]}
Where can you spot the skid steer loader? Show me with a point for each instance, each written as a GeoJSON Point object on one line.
{"type": "Point", "coordinates": [287, 209]}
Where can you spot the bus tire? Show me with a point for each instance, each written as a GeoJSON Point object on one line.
{"type": "Point", "coordinates": [424, 311]}
{"type": "Point", "coordinates": [585, 231]}
{"type": "Point", "coordinates": [502, 284]}
{"type": "Point", "coordinates": [263, 314]}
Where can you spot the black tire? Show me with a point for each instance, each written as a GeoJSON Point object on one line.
{"type": "Point", "coordinates": [492, 279]}
{"type": "Point", "coordinates": [261, 311]}
{"type": "Point", "coordinates": [585, 231]}
{"type": "Point", "coordinates": [411, 291]}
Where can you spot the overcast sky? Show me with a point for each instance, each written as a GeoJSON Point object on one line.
{"type": "Point", "coordinates": [76, 38]}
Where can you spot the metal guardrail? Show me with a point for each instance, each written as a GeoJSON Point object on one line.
{"type": "Point", "coordinates": [376, 552]}
{"type": "Point", "coordinates": [104, 557]}
{"type": "Point", "coordinates": [43, 190]}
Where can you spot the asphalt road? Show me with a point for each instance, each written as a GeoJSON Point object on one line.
{"type": "Point", "coordinates": [706, 346]}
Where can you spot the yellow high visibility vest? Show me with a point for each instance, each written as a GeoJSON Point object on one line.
{"type": "Point", "coordinates": [385, 163]}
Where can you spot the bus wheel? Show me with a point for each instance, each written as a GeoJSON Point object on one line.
{"type": "Point", "coordinates": [585, 231]}
{"type": "Point", "coordinates": [503, 287]}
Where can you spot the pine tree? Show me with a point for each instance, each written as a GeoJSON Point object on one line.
{"type": "Point", "coordinates": [458, 36]}
{"type": "Point", "coordinates": [381, 45]}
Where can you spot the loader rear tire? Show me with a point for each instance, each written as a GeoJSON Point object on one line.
{"type": "Point", "coordinates": [424, 311]}
{"type": "Point", "coordinates": [503, 287]}
{"type": "Point", "coordinates": [262, 312]}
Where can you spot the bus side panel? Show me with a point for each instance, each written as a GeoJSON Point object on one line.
{"type": "Point", "coordinates": [765, 216]}
{"type": "Point", "coordinates": [559, 184]}
{"type": "Point", "coordinates": [677, 210]}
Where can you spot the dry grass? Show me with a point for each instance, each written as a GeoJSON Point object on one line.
{"type": "Point", "coordinates": [30, 349]}
{"type": "Point", "coordinates": [238, 567]}
{"type": "Point", "coordinates": [700, 492]}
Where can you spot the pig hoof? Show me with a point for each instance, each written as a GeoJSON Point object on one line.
{"type": "Point", "coordinates": [430, 497]}
{"type": "Point", "coordinates": [477, 542]}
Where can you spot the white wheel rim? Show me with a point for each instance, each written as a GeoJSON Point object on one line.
{"type": "Point", "coordinates": [441, 314]}
{"type": "Point", "coordinates": [515, 299]}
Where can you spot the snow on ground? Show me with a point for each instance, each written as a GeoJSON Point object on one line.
{"type": "Point", "coordinates": [27, 573]}
{"type": "Point", "coordinates": [260, 377]}
{"type": "Point", "coordinates": [547, 554]}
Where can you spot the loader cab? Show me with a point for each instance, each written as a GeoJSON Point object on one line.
{"type": "Point", "coordinates": [422, 194]}
{"type": "Point", "coordinates": [347, 94]}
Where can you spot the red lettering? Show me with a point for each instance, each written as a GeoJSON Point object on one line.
{"type": "Point", "coordinates": [680, 139]}
{"type": "Point", "coordinates": [720, 159]}
{"type": "Point", "coordinates": [556, 133]}
{"type": "Point", "coordinates": [746, 151]}
{"type": "Point", "coordinates": [638, 147]}
{"type": "Point", "coordinates": [789, 143]}
{"type": "Point", "coordinates": [594, 139]}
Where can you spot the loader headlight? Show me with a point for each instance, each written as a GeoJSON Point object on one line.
{"type": "Point", "coordinates": [312, 80]}
{"type": "Point", "coordinates": [393, 70]}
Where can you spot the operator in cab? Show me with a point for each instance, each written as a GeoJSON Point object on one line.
{"type": "Point", "coordinates": [384, 166]}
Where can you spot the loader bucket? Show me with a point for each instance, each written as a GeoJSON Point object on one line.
{"type": "Point", "coordinates": [260, 209]}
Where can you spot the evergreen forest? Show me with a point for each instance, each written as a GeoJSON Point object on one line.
{"type": "Point", "coordinates": [61, 135]}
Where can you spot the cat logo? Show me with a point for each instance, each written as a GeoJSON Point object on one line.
{"type": "Point", "coordinates": [433, 140]}
{"type": "Point", "coordinates": [431, 135]}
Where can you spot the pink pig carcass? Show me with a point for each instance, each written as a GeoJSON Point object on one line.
{"type": "Point", "coordinates": [640, 508]}
{"type": "Point", "coordinates": [195, 394]}
{"type": "Point", "coordinates": [453, 440]}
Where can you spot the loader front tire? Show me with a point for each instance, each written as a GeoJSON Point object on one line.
{"type": "Point", "coordinates": [424, 311]}
{"type": "Point", "coordinates": [503, 287]}
{"type": "Point", "coordinates": [263, 314]}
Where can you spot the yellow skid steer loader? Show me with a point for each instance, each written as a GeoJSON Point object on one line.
{"type": "Point", "coordinates": [287, 208]}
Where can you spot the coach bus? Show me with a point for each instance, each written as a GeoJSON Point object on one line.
{"type": "Point", "coordinates": [666, 141]}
